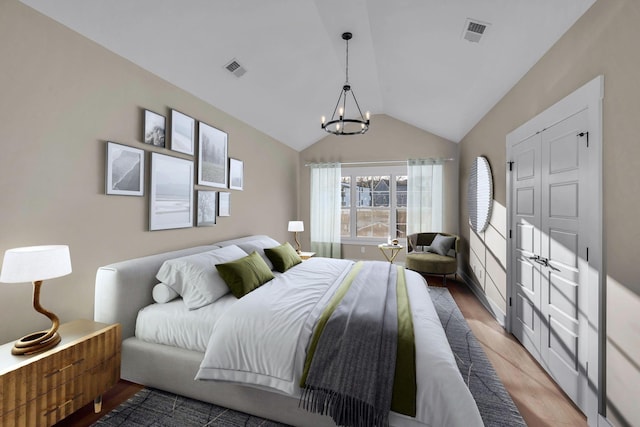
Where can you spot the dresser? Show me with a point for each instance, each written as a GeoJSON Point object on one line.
{"type": "Point", "coordinates": [41, 389]}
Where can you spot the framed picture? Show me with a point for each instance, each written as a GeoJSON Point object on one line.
{"type": "Point", "coordinates": [236, 174]}
{"type": "Point", "coordinates": [171, 202]}
{"type": "Point", "coordinates": [207, 208]}
{"type": "Point", "coordinates": [154, 129]}
{"type": "Point", "coordinates": [183, 133]}
{"type": "Point", "coordinates": [212, 157]}
{"type": "Point", "coordinates": [224, 204]}
{"type": "Point", "coordinates": [125, 170]}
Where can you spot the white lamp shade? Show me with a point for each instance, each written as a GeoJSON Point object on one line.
{"type": "Point", "coordinates": [33, 263]}
{"type": "Point", "coordinates": [296, 226]}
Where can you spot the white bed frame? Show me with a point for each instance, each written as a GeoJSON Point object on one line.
{"type": "Point", "coordinates": [122, 289]}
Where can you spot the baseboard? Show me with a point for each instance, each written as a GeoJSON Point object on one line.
{"type": "Point", "coordinates": [603, 421]}
{"type": "Point", "coordinates": [496, 312]}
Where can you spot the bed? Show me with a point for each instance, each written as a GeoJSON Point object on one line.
{"type": "Point", "coordinates": [165, 344]}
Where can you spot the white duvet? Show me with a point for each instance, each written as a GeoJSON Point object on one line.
{"type": "Point", "coordinates": [261, 341]}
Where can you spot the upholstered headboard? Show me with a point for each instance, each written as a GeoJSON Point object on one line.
{"type": "Point", "coordinates": [123, 288]}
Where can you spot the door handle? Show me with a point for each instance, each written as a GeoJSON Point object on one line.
{"type": "Point", "coordinates": [538, 259]}
{"type": "Point", "coordinates": [543, 261]}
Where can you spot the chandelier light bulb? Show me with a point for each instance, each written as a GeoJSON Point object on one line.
{"type": "Point", "coordinates": [366, 115]}
{"type": "Point", "coordinates": [338, 127]}
{"type": "Point", "coordinates": [324, 119]}
{"type": "Point", "coordinates": [341, 111]}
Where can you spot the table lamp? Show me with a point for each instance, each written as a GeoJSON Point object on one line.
{"type": "Point", "coordinates": [296, 226]}
{"type": "Point", "coordinates": [35, 264]}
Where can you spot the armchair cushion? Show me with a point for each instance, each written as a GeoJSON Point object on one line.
{"type": "Point", "coordinates": [427, 262]}
{"type": "Point", "coordinates": [442, 244]}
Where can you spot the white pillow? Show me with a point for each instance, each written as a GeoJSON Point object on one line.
{"type": "Point", "coordinates": [163, 293]}
{"type": "Point", "coordinates": [196, 278]}
{"type": "Point", "coordinates": [259, 245]}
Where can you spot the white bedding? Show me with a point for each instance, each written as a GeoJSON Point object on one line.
{"type": "Point", "coordinates": [175, 325]}
{"type": "Point", "coordinates": [261, 341]}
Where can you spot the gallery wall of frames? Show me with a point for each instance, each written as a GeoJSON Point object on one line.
{"type": "Point", "coordinates": [178, 197]}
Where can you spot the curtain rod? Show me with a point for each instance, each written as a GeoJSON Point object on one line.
{"type": "Point", "coordinates": [377, 162]}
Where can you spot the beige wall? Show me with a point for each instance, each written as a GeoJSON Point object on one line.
{"type": "Point", "coordinates": [62, 96]}
{"type": "Point", "coordinates": [387, 139]}
{"type": "Point", "coordinates": [604, 41]}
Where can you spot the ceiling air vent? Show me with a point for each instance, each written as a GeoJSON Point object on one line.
{"type": "Point", "coordinates": [235, 68]}
{"type": "Point", "coordinates": [474, 30]}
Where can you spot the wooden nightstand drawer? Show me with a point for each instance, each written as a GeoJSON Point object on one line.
{"type": "Point", "coordinates": [41, 389]}
{"type": "Point", "coordinates": [49, 409]}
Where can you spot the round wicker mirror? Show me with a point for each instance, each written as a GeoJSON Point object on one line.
{"type": "Point", "coordinates": [480, 194]}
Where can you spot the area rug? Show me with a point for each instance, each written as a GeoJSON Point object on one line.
{"type": "Point", "coordinates": [494, 402]}
{"type": "Point", "coordinates": [150, 407]}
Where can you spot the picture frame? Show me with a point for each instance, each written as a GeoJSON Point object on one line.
{"type": "Point", "coordinates": [183, 133]}
{"type": "Point", "coordinates": [224, 204]}
{"type": "Point", "coordinates": [236, 174]}
{"type": "Point", "coordinates": [124, 170]}
{"type": "Point", "coordinates": [207, 208]}
{"type": "Point", "coordinates": [212, 156]}
{"type": "Point", "coordinates": [171, 199]}
{"type": "Point", "coordinates": [155, 126]}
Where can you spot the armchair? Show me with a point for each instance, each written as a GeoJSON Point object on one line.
{"type": "Point", "coordinates": [428, 257]}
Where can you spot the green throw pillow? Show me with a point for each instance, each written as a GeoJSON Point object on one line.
{"type": "Point", "coordinates": [245, 274]}
{"type": "Point", "coordinates": [283, 257]}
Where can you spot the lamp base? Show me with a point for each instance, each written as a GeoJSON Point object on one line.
{"type": "Point", "coordinates": [35, 343]}
{"type": "Point", "coordinates": [41, 340]}
{"type": "Point", "coordinates": [297, 243]}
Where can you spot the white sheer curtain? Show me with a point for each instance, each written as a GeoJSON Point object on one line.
{"type": "Point", "coordinates": [325, 209]}
{"type": "Point", "coordinates": [424, 195]}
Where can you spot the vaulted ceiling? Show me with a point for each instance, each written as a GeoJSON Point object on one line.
{"type": "Point", "coordinates": [407, 59]}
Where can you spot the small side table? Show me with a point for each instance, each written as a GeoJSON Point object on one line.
{"type": "Point", "coordinates": [392, 250]}
{"type": "Point", "coordinates": [306, 255]}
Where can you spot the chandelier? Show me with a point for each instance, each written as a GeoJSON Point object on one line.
{"type": "Point", "coordinates": [346, 126]}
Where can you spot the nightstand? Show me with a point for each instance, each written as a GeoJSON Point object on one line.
{"type": "Point", "coordinates": [43, 388]}
{"type": "Point", "coordinates": [306, 255]}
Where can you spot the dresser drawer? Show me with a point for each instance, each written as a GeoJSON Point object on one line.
{"type": "Point", "coordinates": [27, 383]}
{"type": "Point", "coordinates": [50, 408]}
{"type": "Point", "coordinates": [41, 389]}
{"type": "Point", "coordinates": [35, 379]}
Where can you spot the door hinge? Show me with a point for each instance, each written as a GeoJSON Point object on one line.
{"type": "Point", "coordinates": [510, 165]}
{"type": "Point", "coordinates": [587, 253]}
{"type": "Point", "coordinates": [510, 234]}
{"type": "Point", "coordinates": [509, 301]}
{"type": "Point", "coordinates": [581, 134]}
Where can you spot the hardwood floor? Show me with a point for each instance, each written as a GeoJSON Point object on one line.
{"type": "Point", "coordinates": [539, 399]}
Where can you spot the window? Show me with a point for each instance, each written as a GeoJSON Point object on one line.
{"type": "Point", "coordinates": [374, 203]}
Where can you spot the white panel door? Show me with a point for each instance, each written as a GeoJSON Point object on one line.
{"type": "Point", "coordinates": [563, 249]}
{"type": "Point", "coordinates": [549, 252]}
{"type": "Point", "coordinates": [555, 282]}
{"type": "Point", "coordinates": [526, 297]}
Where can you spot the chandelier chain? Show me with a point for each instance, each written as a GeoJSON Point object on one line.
{"type": "Point", "coordinates": [347, 71]}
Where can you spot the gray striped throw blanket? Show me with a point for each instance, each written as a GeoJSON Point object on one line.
{"type": "Point", "coordinates": [351, 362]}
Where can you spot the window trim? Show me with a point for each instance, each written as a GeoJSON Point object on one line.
{"type": "Point", "coordinates": [392, 171]}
